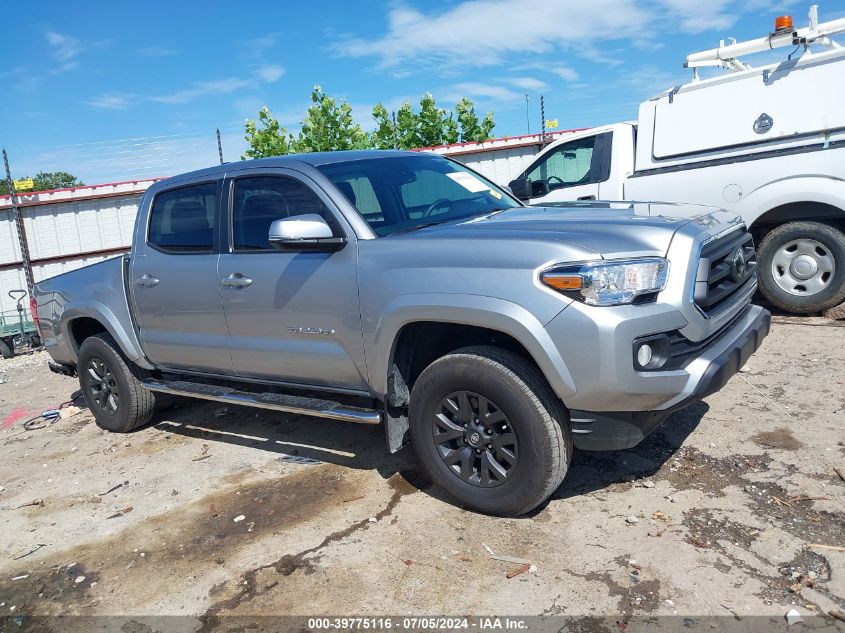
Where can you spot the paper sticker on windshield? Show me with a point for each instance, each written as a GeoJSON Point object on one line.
{"type": "Point", "coordinates": [468, 181]}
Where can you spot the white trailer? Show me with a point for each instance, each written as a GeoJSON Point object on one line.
{"type": "Point", "coordinates": [764, 142]}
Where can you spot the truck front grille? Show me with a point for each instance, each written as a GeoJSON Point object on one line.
{"type": "Point", "coordinates": [727, 265]}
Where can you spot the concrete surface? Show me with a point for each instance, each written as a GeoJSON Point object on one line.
{"type": "Point", "coordinates": [712, 515]}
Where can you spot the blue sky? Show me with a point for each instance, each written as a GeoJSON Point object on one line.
{"type": "Point", "coordinates": [115, 90]}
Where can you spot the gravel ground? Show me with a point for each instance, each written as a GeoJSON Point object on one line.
{"type": "Point", "coordinates": [207, 512]}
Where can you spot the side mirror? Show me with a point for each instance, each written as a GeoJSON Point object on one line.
{"type": "Point", "coordinates": [521, 188]}
{"type": "Point", "coordinates": [308, 232]}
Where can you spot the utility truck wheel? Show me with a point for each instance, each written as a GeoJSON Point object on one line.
{"type": "Point", "coordinates": [112, 387]}
{"type": "Point", "coordinates": [7, 347]}
{"type": "Point", "coordinates": [490, 431]}
{"type": "Point", "coordinates": [802, 267]}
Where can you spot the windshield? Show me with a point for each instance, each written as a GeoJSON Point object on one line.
{"type": "Point", "coordinates": [402, 193]}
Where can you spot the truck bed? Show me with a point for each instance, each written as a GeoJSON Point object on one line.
{"type": "Point", "coordinates": [97, 292]}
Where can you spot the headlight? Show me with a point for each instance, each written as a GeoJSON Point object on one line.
{"type": "Point", "coordinates": [609, 283]}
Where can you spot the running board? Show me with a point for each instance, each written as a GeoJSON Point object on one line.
{"type": "Point", "coordinates": [300, 405]}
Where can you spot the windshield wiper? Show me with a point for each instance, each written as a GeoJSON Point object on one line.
{"type": "Point", "coordinates": [417, 227]}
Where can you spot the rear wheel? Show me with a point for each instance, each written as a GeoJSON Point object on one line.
{"type": "Point", "coordinates": [112, 386]}
{"type": "Point", "coordinates": [802, 267]}
{"type": "Point", "coordinates": [489, 430]}
{"type": "Point", "coordinates": [7, 347]}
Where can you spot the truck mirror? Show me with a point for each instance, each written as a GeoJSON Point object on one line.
{"type": "Point", "coordinates": [303, 232]}
{"type": "Point", "coordinates": [521, 188]}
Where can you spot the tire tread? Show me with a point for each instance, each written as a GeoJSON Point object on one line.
{"type": "Point", "coordinates": [141, 401]}
{"type": "Point", "coordinates": [534, 387]}
{"type": "Point", "coordinates": [834, 238]}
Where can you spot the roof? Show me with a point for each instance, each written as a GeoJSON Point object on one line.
{"type": "Point", "coordinates": [314, 159]}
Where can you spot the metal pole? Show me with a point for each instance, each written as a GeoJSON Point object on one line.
{"type": "Point", "coordinates": [219, 146]}
{"type": "Point", "coordinates": [542, 120]}
{"type": "Point", "coordinates": [527, 116]}
{"type": "Point", "coordinates": [395, 133]}
{"type": "Point", "coordinates": [25, 259]}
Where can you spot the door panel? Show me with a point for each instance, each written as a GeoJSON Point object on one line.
{"type": "Point", "coordinates": [298, 320]}
{"type": "Point", "coordinates": [173, 280]}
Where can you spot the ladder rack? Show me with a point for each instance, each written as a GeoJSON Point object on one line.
{"type": "Point", "coordinates": [727, 55]}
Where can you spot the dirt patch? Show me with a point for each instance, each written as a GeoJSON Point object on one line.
{"type": "Point", "coordinates": [797, 516]}
{"type": "Point", "coordinates": [693, 470]}
{"type": "Point", "coordinates": [780, 438]}
{"type": "Point", "coordinates": [638, 592]}
{"type": "Point", "coordinates": [184, 542]}
{"type": "Point", "coordinates": [260, 580]}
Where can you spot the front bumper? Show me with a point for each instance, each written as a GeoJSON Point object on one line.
{"type": "Point", "coordinates": [706, 374]}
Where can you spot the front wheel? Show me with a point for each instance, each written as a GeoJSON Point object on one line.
{"type": "Point", "coordinates": [7, 347]}
{"type": "Point", "coordinates": [802, 267]}
{"type": "Point", "coordinates": [112, 386]}
{"type": "Point", "coordinates": [490, 431]}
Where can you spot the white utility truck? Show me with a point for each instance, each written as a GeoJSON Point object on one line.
{"type": "Point", "coordinates": [767, 143]}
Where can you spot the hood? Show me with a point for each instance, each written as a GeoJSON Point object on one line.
{"type": "Point", "coordinates": [609, 229]}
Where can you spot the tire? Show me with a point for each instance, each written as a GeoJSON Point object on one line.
{"type": "Point", "coordinates": [105, 372]}
{"type": "Point", "coordinates": [822, 248]}
{"type": "Point", "coordinates": [7, 347]}
{"type": "Point", "coordinates": [533, 417]}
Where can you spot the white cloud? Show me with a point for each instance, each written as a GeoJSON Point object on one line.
{"type": "Point", "coordinates": [67, 48]}
{"type": "Point", "coordinates": [269, 74]}
{"type": "Point", "coordinates": [483, 90]}
{"type": "Point", "coordinates": [265, 74]}
{"type": "Point", "coordinates": [484, 32]}
{"type": "Point", "coordinates": [204, 89]}
{"type": "Point", "coordinates": [697, 16]}
{"type": "Point", "coordinates": [565, 72]}
{"type": "Point", "coordinates": [111, 101]}
{"type": "Point", "coordinates": [475, 33]}
{"type": "Point", "coordinates": [527, 83]}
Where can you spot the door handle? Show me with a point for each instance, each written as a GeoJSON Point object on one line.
{"type": "Point", "coordinates": [147, 281]}
{"type": "Point", "coordinates": [587, 198]}
{"type": "Point", "coordinates": [236, 280]}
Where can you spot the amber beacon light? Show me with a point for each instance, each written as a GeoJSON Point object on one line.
{"type": "Point", "coordinates": [783, 23]}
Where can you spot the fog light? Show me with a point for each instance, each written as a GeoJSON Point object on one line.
{"type": "Point", "coordinates": [644, 355]}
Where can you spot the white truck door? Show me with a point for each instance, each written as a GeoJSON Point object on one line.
{"type": "Point", "coordinates": [570, 171]}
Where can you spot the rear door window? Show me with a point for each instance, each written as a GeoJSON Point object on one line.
{"type": "Point", "coordinates": [182, 220]}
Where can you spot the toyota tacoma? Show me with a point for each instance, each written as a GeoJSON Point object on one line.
{"type": "Point", "coordinates": [404, 289]}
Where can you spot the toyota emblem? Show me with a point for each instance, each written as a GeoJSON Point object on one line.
{"type": "Point", "coordinates": [738, 264]}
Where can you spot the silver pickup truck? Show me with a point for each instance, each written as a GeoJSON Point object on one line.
{"type": "Point", "coordinates": [404, 289]}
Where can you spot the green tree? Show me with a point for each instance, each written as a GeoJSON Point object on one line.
{"type": "Point", "coordinates": [267, 137]}
{"type": "Point", "coordinates": [329, 126]}
{"type": "Point", "coordinates": [382, 136]}
{"type": "Point", "coordinates": [44, 181]}
{"type": "Point", "coordinates": [471, 129]}
{"type": "Point", "coordinates": [435, 125]}
{"type": "Point", "coordinates": [430, 126]}
{"type": "Point", "coordinates": [407, 127]}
